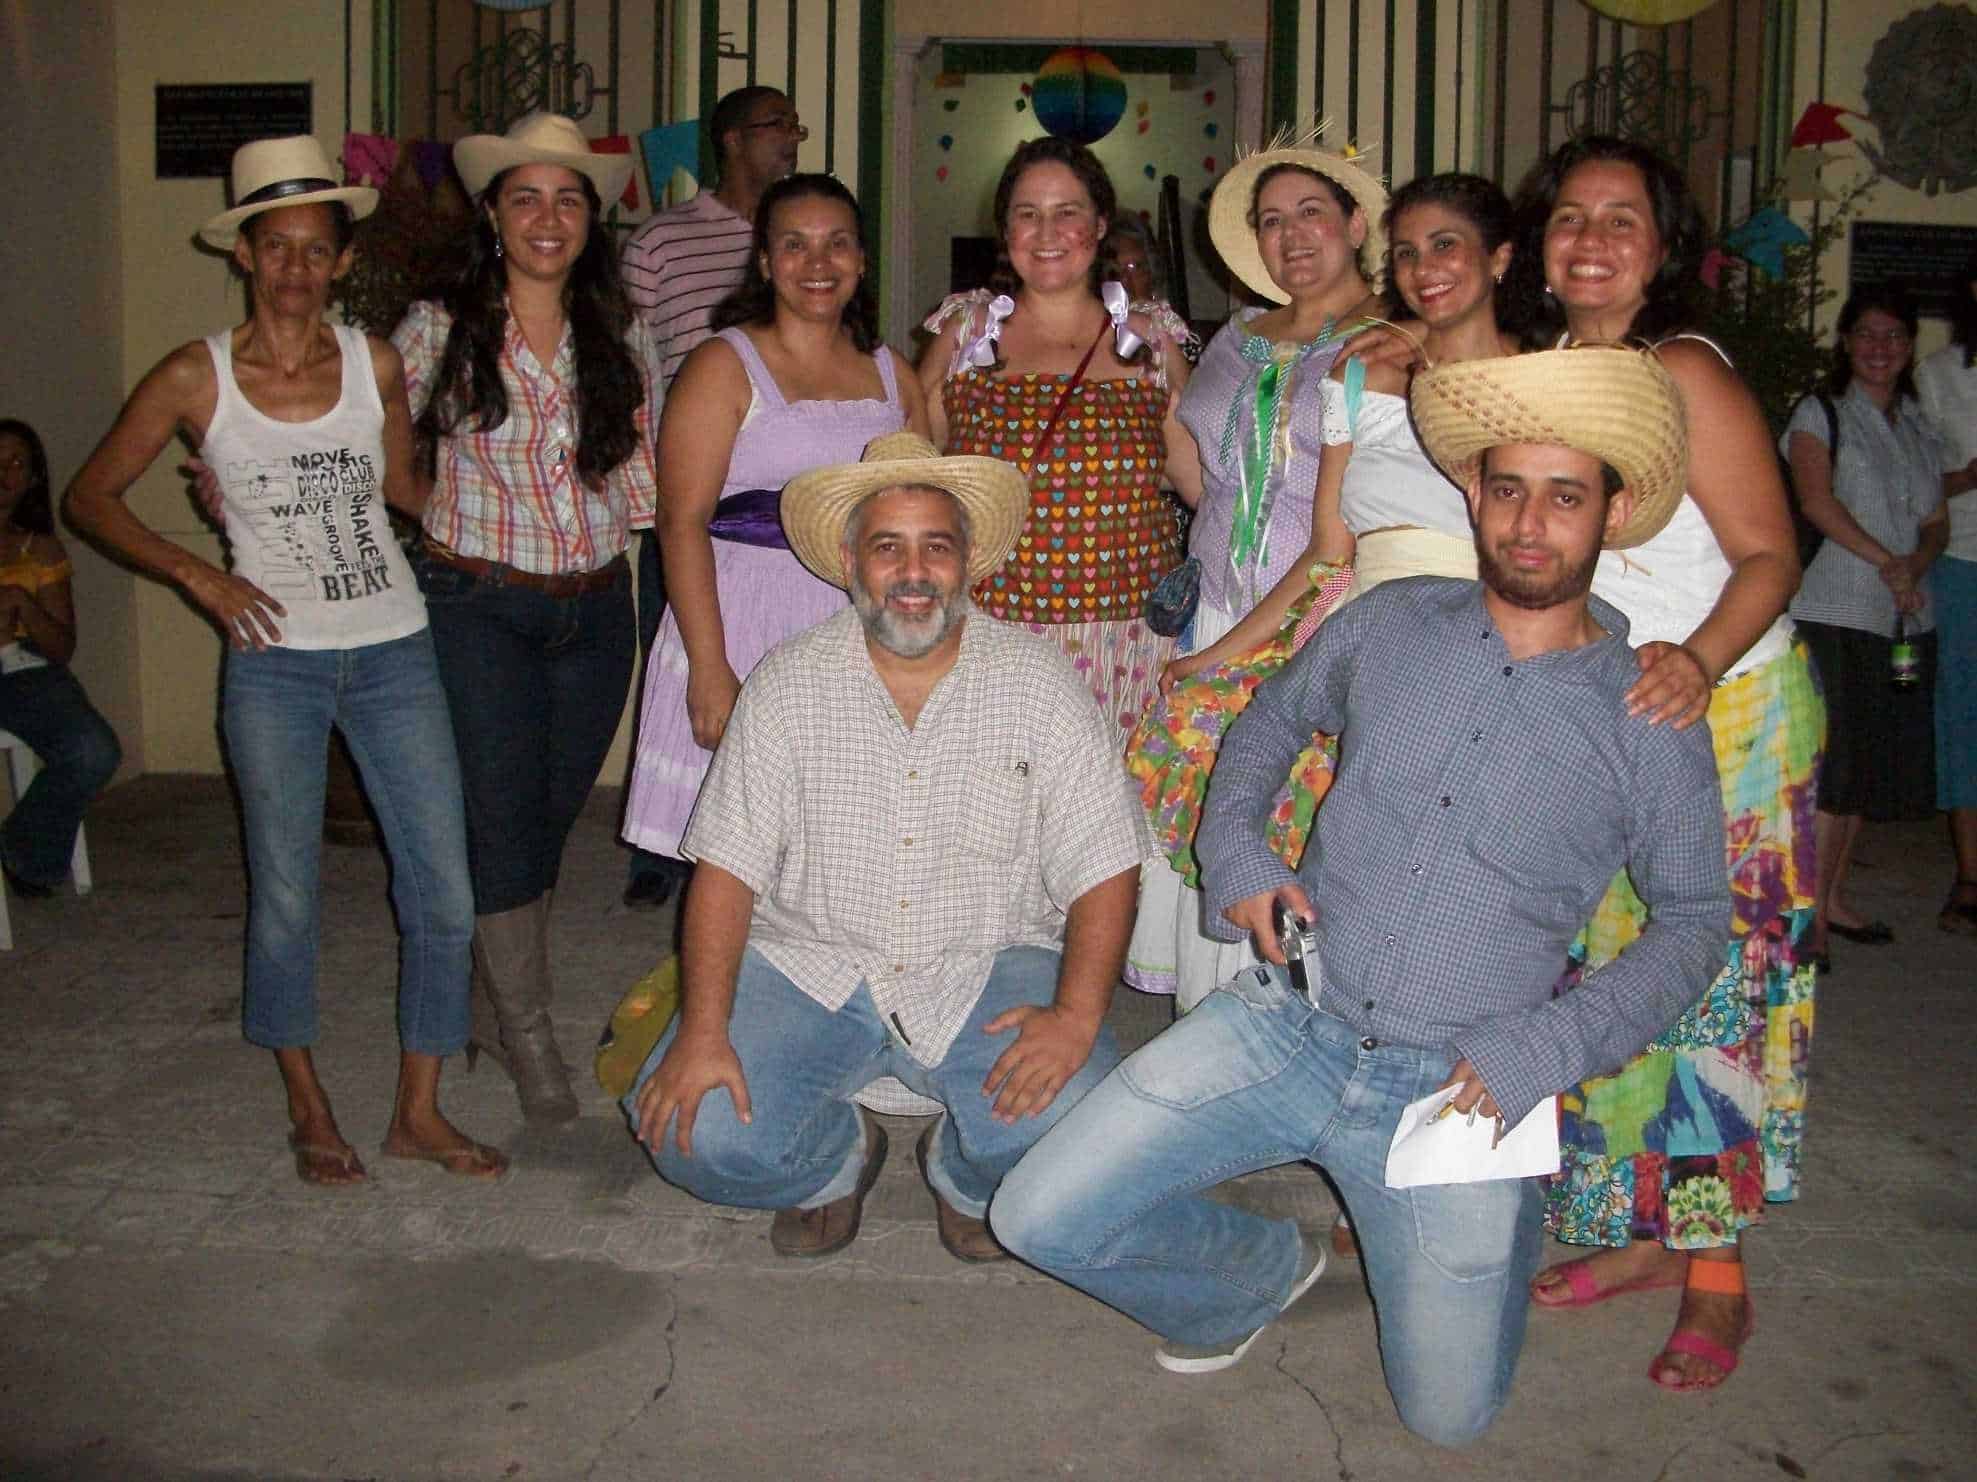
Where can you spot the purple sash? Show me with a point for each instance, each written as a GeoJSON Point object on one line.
{"type": "Point", "coordinates": [751, 517]}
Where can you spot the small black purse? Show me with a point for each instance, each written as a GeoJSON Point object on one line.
{"type": "Point", "coordinates": [1170, 605]}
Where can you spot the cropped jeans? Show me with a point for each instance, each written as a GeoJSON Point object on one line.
{"type": "Point", "coordinates": [1113, 1199]}
{"type": "Point", "coordinates": [805, 1143]}
{"type": "Point", "coordinates": [277, 709]}
{"type": "Point", "coordinates": [536, 685]}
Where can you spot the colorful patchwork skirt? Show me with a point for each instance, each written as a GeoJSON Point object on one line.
{"type": "Point", "coordinates": [1688, 1141]}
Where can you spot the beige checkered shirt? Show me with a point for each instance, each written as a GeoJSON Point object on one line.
{"type": "Point", "coordinates": [906, 859]}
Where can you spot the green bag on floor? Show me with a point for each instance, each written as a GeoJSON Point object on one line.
{"type": "Point", "coordinates": [636, 1024]}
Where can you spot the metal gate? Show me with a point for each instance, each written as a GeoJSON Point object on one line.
{"type": "Point", "coordinates": [1494, 85]}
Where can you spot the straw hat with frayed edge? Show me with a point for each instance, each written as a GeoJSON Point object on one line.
{"type": "Point", "coordinates": [1228, 208]}
{"type": "Point", "coordinates": [540, 139]}
{"type": "Point", "coordinates": [1617, 403]}
{"type": "Point", "coordinates": [817, 504]}
{"type": "Point", "coordinates": [271, 173]}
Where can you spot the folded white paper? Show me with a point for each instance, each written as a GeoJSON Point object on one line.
{"type": "Point", "coordinates": [1429, 1148]}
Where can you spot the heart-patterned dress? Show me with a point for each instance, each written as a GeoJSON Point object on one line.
{"type": "Point", "coordinates": [1100, 532]}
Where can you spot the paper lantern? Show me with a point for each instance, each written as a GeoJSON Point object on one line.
{"type": "Point", "coordinates": [1650, 12]}
{"type": "Point", "coordinates": [1079, 95]}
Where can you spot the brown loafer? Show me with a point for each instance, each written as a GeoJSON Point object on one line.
{"type": "Point", "coordinates": [831, 1227]}
{"type": "Point", "coordinates": [966, 1238]}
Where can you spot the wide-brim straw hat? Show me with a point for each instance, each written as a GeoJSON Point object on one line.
{"type": "Point", "coordinates": [817, 504]}
{"type": "Point", "coordinates": [540, 139]}
{"type": "Point", "coordinates": [271, 173]}
{"type": "Point", "coordinates": [1612, 401]}
{"type": "Point", "coordinates": [1228, 209]}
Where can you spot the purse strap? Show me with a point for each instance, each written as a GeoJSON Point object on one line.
{"type": "Point", "coordinates": [1057, 411]}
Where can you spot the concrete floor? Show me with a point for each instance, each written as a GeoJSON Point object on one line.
{"type": "Point", "coordinates": [176, 1305]}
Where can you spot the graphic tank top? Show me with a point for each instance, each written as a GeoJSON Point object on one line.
{"type": "Point", "coordinates": [304, 510]}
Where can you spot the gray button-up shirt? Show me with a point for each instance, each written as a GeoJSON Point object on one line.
{"type": "Point", "coordinates": [1482, 806]}
{"type": "Point", "coordinates": [906, 859]}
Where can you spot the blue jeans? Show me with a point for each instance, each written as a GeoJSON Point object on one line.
{"type": "Point", "coordinates": [803, 1062]}
{"type": "Point", "coordinates": [536, 685]}
{"type": "Point", "coordinates": [277, 708]}
{"type": "Point", "coordinates": [1113, 1199]}
{"type": "Point", "coordinates": [79, 755]}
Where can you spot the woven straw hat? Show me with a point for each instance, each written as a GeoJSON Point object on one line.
{"type": "Point", "coordinates": [1616, 403]}
{"type": "Point", "coordinates": [271, 173]}
{"type": "Point", "coordinates": [1228, 208]}
{"type": "Point", "coordinates": [540, 139]}
{"type": "Point", "coordinates": [817, 504]}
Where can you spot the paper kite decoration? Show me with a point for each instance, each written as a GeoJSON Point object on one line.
{"type": "Point", "coordinates": [670, 147]}
{"type": "Point", "coordinates": [1762, 240]}
{"type": "Point", "coordinates": [1799, 179]}
{"type": "Point", "coordinates": [1820, 124]}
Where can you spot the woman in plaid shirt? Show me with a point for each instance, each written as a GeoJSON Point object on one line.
{"type": "Point", "coordinates": [532, 383]}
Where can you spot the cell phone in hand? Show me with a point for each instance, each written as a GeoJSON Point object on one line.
{"type": "Point", "coordinates": [1299, 940]}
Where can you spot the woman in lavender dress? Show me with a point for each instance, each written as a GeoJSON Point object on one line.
{"type": "Point", "coordinates": [795, 377]}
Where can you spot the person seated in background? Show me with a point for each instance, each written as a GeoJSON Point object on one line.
{"type": "Point", "coordinates": [40, 700]}
{"type": "Point", "coordinates": [915, 856]}
{"type": "Point", "coordinates": [1491, 781]}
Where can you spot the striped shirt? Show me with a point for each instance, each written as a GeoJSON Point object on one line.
{"type": "Point", "coordinates": [1889, 479]}
{"type": "Point", "coordinates": [905, 859]}
{"type": "Point", "coordinates": [511, 493]}
{"type": "Point", "coordinates": [678, 266]}
{"type": "Point", "coordinates": [1481, 808]}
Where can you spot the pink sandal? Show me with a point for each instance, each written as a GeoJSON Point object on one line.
{"type": "Point", "coordinates": [1583, 1291]}
{"type": "Point", "coordinates": [1726, 1277]}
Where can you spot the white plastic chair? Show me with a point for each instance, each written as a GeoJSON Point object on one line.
{"type": "Point", "coordinates": [22, 764]}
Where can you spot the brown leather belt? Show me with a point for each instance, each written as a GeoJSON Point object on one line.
{"type": "Point", "coordinates": [550, 584]}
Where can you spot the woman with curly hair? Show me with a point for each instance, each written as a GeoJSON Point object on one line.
{"type": "Point", "coordinates": [533, 385]}
{"type": "Point", "coordinates": [1671, 1158]}
{"type": "Point", "coordinates": [794, 378]}
{"type": "Point", "coordinates": [1053, 369]}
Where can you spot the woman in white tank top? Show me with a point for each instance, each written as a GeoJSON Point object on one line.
{"type": "Point", "coordinates": [305, 427]}
{"type": "Point", "coordinates": [1668, 1160]}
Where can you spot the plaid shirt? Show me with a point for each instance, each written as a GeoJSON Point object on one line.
{"type": "Point", "coordinates": [906, 859]}
{"type": "Point", "coordinates": [1482, 806]}
{"type": "Point", "coordinates": [511, 494]}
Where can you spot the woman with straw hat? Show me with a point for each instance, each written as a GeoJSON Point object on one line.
{"type": "Point", "coordinates": [1669, 1160]}
{"type": "Point", "coordinates": [1053, 368]}
{"type": "Point", "coordinates": [1300, 227]}
{"type": "Point", "coordinates": [304, 425]}
{"type": "Point", "coordinates": [533, 383]}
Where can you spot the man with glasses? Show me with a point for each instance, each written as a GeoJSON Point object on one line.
{"type": "Point", "coordinates": [677, 267]}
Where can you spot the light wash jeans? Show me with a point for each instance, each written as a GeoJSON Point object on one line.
{"type": "Point", "coordinates": [803, 1063]}
{"type": "Point", "coordinates": [277, 709]}
{"type": "Point", "coordinates": [1113, 1199]}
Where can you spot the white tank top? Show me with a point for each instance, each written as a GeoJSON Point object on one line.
{"type": "Point", "coordinates": [304, 508]}
{"type": "Point", "coordinates": [1668, 585]}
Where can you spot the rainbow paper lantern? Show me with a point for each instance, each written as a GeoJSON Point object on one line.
{"type": "Point", "coordinates": [1079, 95]}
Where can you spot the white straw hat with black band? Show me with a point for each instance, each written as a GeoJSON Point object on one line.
{"type": "Point", "coordinates": [271, 173]}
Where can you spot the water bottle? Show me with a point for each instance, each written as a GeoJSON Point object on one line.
{"type": "Point", "coordinates": [1901, 657]}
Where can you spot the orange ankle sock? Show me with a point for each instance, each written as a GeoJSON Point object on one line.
{"type": "Point", "coordinates": [1715, 1276]}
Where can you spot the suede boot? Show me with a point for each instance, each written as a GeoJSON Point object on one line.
{"type": "Point", "coordinates": [511, 956]}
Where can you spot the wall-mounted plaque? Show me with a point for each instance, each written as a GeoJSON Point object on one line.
{"type": "Point", "coordinates": [1927, 259]}
{"type": "Point", "coordinates": [200, 125]}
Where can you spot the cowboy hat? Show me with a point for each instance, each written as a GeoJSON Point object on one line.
{"type": "Point", "coordinates": [1228, 209]}
{"type": "Point", "coordinates": [817, 504]}
{"type": "Point", "coordinates": [540, 139]}
{"type": "Point", "coordinates": [1616, 403]}
{"type": "Point", "coordinates": [271, 173]}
